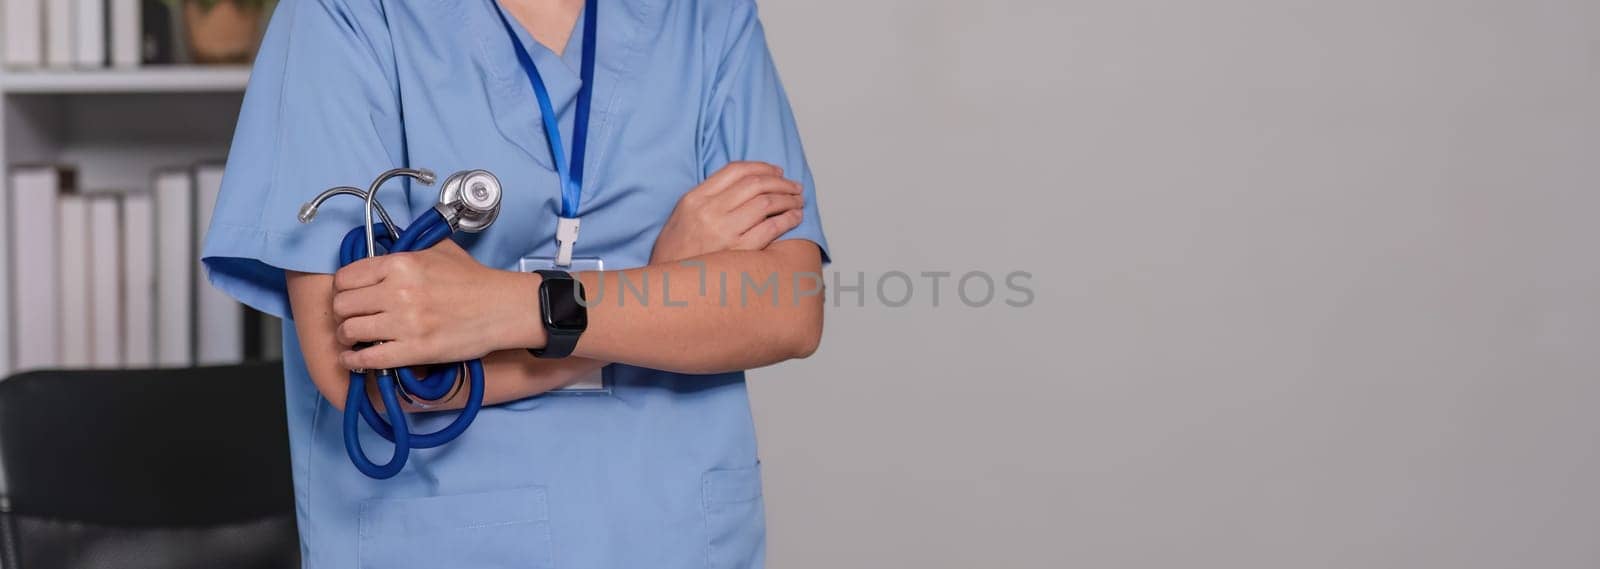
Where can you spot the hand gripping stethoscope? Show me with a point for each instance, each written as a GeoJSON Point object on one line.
{"type": "Point", "coordinates": [468, 201]}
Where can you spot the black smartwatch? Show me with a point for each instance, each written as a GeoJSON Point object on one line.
{"type": "Point", "coordinates": [562, 311]}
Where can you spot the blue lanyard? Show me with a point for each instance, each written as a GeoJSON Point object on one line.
{"type": "Point", "coordinates": [571, 176]}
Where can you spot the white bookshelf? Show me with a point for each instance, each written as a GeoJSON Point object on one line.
{"type": "Point", "coordinates": [117, 125]}
{"type": "Point", "coordinates": [152, 79]}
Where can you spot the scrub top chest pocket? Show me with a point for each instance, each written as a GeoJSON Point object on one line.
{"type": "Point", "coordinates": [508, 528]}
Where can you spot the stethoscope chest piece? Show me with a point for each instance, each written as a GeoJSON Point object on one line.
{"type": "Point", "coordinates": [470, 200]}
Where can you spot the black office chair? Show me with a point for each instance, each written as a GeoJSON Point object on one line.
{"type": "Point", "coordinates": [149, 468]}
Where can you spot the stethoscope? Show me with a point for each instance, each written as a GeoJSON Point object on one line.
{"type": "Point", "coordinates": [468, 201]}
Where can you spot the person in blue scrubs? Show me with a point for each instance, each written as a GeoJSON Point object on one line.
{"type": "Point", "coordinates": [693, 154]}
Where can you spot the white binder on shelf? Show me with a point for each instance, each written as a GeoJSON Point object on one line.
{"type": "Point", "coordinates": [59, 26]}
{"type": "Point", "coordinates": [220, 319]}
{"type": "Point", "coordinates": [138, 280]}
{"type": "Point", "coordinates": [105, 280]}
{"type": "Point", "coordinates": [23, 33]}
{"type": "Point", "coordinates": [34, 248]}
{"type": "Point", "coordinates": [175, 263]}
{"type": "Point", "coordinates": [127, 33]}
{"type": "Point", "coordinates": [89, 35]}
{"type": "Point", "coordinates": [72, 234]}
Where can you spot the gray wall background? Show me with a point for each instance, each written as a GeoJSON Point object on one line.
{"type": "Point", "coordinates": [1316, 285]}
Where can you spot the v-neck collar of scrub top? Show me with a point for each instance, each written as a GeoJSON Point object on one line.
{"type": "Point", "coordinates": [516, 110]}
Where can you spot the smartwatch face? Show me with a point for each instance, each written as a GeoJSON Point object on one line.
{"type": "Point", "coordinates": [562, 310]}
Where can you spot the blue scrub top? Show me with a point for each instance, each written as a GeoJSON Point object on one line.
{"type": "Point", "coordinates": [662, 472]}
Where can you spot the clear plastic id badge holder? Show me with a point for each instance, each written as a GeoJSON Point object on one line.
{"type": "Point", "coordinates": [594, 382]}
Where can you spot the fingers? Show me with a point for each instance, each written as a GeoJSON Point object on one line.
{"type": "Point", "coordinates": [752, 187]}
{"type": "Point", "coordinates": [360, 302]}
{"type": "Point", "coordinates": [761, 207]}
{"type": "Point", "coordinates": [374, 328]}
{"type": "Point", "coordinates": [769, 230]}
{"type": "Point", "coordinates": [400, 267]}
{"type": "Point", "coordinates": [388, 355]}
{"type": "Point", "coordinates": [362, 273]}
{"type": "Point", "coordinates": [735, 171]}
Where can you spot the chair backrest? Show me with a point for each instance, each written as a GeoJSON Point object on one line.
{"type": "Point", "coordinates": [146, 468]}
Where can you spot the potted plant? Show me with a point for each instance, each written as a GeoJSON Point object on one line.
{"type": "Point", "coordinates": [222, 31]}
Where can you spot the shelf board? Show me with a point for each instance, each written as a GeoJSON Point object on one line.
{"type": "Point", "coordinates": [152, 79]}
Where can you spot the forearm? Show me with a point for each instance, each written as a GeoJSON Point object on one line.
{"type": "Point", "coordinates": [509, 375]}
{"type": "Point", "coordinates": [756, 308]}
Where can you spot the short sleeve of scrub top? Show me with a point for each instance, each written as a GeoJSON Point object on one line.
{"type": "Point", "coordinates": [750, 118]}
{"type": "Point", "coordinates": [662, 471]}
{"type": "Point", "coordinates": [320, 112]}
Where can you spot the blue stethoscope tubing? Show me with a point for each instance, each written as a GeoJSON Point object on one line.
{"type": "Point", "coordinates": [429, 229]}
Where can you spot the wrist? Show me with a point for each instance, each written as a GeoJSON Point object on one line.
{"type": "Point", "coordinates": [523, 324]}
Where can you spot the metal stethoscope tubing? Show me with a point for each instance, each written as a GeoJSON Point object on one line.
{"type": "Point", "coordinates": [309, 210]}
{"type": "Point", "coordinates": [469, 201]}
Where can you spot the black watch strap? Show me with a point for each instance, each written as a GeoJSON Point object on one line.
{"type": "Point", "coordinates": [558, 343]}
